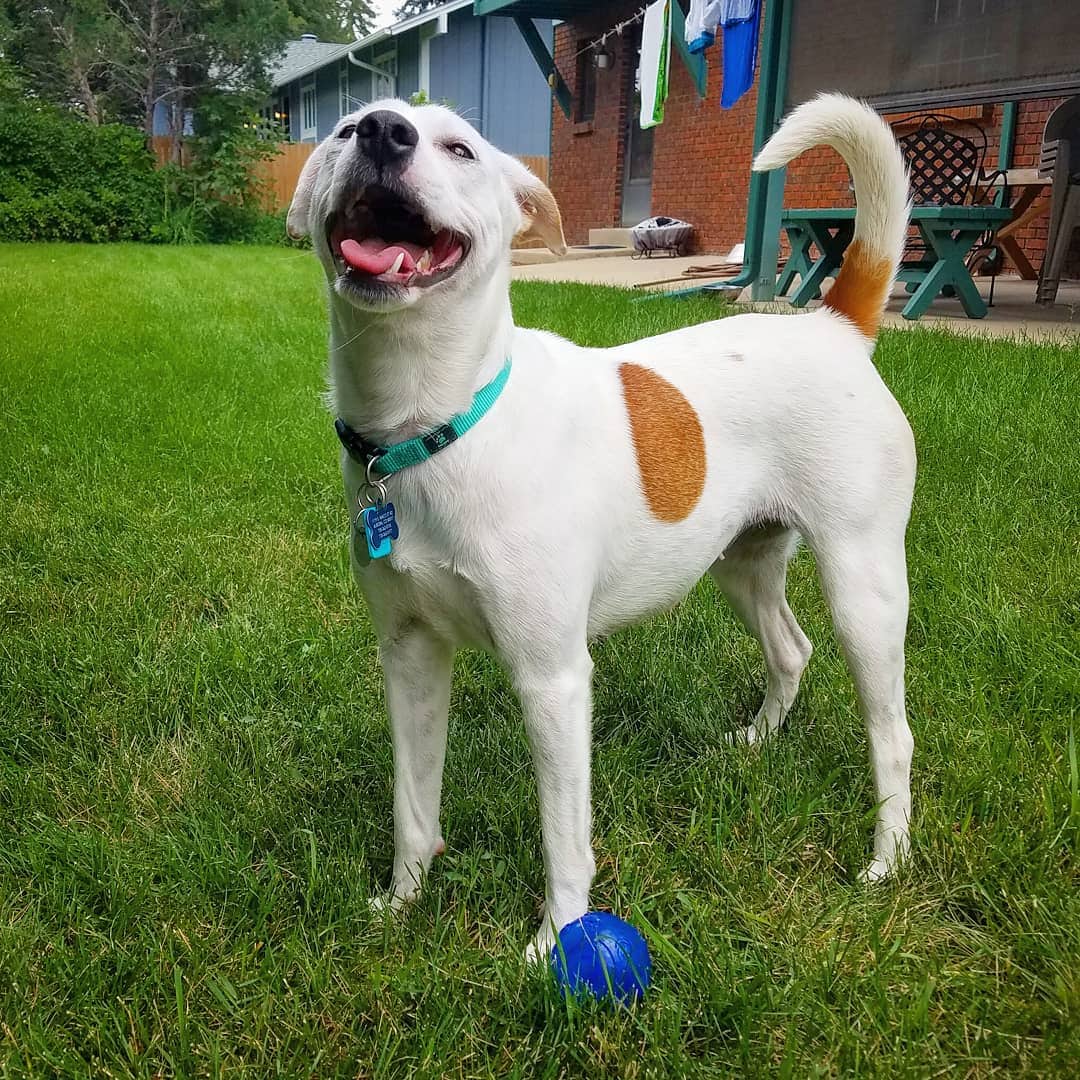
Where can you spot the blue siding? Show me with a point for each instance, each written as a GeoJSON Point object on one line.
{"type": "Point", "coordinates": [326, 95]}
{"type": "Point", "coordinates": [161, 119]}
{"type": "Point", "coordinates": [162, 122]}
{"type": "Point", "coordinates": [359, 85]}
{"type": "Point", "coordinates": [517, 98]}
{"type": "Point", "coordinates": [294, 111]}
{"type": "Point", "coordinates": [457, 65]}
{"type": "Point", "coordinates": [408, 64]}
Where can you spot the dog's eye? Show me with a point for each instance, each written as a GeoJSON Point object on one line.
{"type": "Point", "coordinates": [461, 150]}
{"type": "Point", "coordinates": [347, 132]}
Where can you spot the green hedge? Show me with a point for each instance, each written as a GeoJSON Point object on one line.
{"type": "Point", "coordinates": [62, 178]}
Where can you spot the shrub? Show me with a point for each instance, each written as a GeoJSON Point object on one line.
{"type": "Point", "coordinates": [62, 178]}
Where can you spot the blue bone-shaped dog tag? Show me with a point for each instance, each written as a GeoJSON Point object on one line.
{"type": "Point", "coordinates": [380, 528]}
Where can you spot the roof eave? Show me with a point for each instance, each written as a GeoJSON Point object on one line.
{"type": "Point", "coordinates": [375, 37]}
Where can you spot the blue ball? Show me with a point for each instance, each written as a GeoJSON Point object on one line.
{"type": "Point", "coordinates": [602, 955]}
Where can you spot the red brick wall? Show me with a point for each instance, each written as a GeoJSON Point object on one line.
{"type": "Point", "coordinates": [587, 159]}
{"type": "Point", "coordinates": [701, 163]}
{"type": "Point", "coordinates": [701, 158]}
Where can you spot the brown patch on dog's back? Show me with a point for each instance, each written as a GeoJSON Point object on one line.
{"type": "Point", "coordinates": [668, 442]}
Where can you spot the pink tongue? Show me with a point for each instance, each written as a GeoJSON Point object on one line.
{"type": "Point", "coordinates": [375, 256]}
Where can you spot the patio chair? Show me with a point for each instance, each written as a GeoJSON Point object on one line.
{"type": "Point", "coordinates": [1060, 160]}
{"type": "Point", "coordinates": [948, 169]}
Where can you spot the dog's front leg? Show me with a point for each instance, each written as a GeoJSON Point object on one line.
{"type": "Point", "coordinates": [416, 666]}
{"type": "Point", "coordinates": [555, 698]}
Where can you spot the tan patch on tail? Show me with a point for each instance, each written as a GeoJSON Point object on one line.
{"type": "Point", "coordinates": [860, 289]}
{"type": "Point", "coordinates": [668, 442]}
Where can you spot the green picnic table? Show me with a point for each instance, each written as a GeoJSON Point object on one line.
{"type": "Point", "coordinates": [948, 234]}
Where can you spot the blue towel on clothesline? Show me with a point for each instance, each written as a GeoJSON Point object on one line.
{"type": "Point", "coordinates": [740, 40]}
{"type": "Point", "coordinates": [738, 22]}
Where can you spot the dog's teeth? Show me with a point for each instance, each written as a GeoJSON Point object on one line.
{"type": "Point", "coordinates": [396, 266]}
{"type": "Point", "coordinates": [424, 262]}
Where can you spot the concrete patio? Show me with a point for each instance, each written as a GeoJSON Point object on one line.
{"type": "Point", "coordinates": [1014, 313]}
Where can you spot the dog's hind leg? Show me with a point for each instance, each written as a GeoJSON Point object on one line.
{"type": "Point", "coordinates": [752, 575]}
{"type": "Point", "coordinates": [864, 578]}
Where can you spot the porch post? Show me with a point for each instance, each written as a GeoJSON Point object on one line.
{"type": "Point", "coordinates": [546, 63]}
{"type": "Point", "coordinates": [764, 285]}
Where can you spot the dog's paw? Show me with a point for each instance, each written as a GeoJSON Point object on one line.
{"type": "Point", "coordinates": [878, 870]}
{"type": "Point", "coordinates": [539, 950]}
{"type": "Point", "coordinates": [747, 736]}
{"type": "Point", "coordinates": [391, 902]}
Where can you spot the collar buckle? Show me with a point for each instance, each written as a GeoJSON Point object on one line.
{"type": "Point", "coordinates": [356, 446]}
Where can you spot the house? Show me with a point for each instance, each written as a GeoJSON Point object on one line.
{"type": "Point", "coordinates": [606, 172]}
{"type": "Point", "coordinates": [481, 67]}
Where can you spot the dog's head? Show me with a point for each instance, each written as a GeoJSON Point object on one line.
{"type": "Point", "coordinates": [403, 202]}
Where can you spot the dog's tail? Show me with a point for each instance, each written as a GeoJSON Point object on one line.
{"type": "Point", "coordinates": [880, 176]}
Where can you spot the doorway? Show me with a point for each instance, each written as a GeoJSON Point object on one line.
{"type": "Point", "coordinates": [637, 151]}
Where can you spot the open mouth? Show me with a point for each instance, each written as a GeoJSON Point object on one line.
{"type": "Point", "coordinates": [379, 236]}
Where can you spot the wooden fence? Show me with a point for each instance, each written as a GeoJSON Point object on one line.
{"type": "Point", "coordinates": [281, 172]}
{"type": "Point", "coordinates": [161, 146]}
{"type": "Point", "coordinates": [538, 166]}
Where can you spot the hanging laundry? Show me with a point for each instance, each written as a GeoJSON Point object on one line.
{"type": "Point", "coordinates": [701, 20]}
{"type": "Point", "coordinates": [653, 69]}
{"type": "Point", "coordinates": [738, 20]}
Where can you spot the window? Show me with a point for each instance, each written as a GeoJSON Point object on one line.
{"type": "Point", "coordinates": [277, 117]}
{"type": "Point", "coordinates": [344, 101]}
{"type": "Point", "coordinates": [384, 85]}
{"type": "Point", "coordinates": [309, 116]}
{"type": "Point", "coordinates": [585, 97]}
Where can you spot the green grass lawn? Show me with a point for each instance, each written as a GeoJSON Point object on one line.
{"type": "Point", "coordinates": [195, 769]}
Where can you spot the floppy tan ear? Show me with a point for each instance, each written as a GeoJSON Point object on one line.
{"type": "Point", "coordinates": [297, 223]}
{"type": "Point", "coordinates": [538, 207]}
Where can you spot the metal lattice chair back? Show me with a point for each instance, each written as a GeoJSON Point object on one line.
{"type": "Point", "coordinates": [945, 167]}
{"type": "Point", "coordinates": [948, 169]}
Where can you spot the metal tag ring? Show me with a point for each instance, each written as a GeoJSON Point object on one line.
{"type": "Point", "coordinates": [372, 480]}
{"type": "Point", "coordinates": [365, 498]}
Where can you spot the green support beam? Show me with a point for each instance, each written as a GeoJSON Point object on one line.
{"type": "Point", "coordinates": [764, 285]}
{"type": "Point", "coordinates": [544, 59]}
{"type": "Point", "coordinates": [1005, 148]}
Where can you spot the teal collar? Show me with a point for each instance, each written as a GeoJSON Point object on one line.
{"type": "Point", "coordinates": [387, 460]}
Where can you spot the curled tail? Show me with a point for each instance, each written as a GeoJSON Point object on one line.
{"type": "Point", "coordinates": [880, 176]}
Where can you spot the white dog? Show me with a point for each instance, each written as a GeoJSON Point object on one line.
{"type": "Point", "coordinates": [558, 493]}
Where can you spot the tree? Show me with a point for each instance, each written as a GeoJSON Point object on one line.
{"type": "Point", "coordinates": [332, 20]}
{"type": "Point", "coordinates": [121, 59]}
{"type": "Point", "coordinates": [60, 50]}
{"type": "Point", "coordinates": [173, 52]}
{"type": "Point", "coordinates": [415, 7]}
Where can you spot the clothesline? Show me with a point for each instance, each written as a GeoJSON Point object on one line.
{"type": "Point", "coordinates": [614, 31]}
{"type": "Point", "coordinates": [737, 20]}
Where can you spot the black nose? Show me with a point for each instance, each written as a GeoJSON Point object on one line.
{"type": "Point", "coordinates": [386, 137]}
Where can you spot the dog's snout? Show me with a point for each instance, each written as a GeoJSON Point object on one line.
{"type": "Point", "coordinates": [386, 137]}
